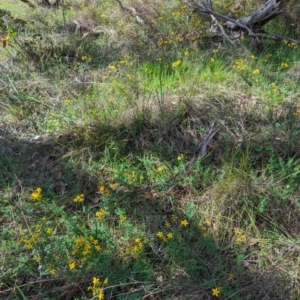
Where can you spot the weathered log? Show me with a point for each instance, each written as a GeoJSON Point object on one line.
{"type": "Point", "coordinates": [270, 10]}
{"type": "Point", "coordinates": [251, 25]}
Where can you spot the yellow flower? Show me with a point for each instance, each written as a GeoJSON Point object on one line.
{"type": "Point", "coordinates": [159, 169]}
{"type": "Point", "coordinates": [100, 295]}
{"type": "Point", "coordinates": [29, 244]}
{"type": "Point", "coordinates": [96, 281]}
{"type": "Point", "coordinates": [72, 265]}
{"type": "Point", "coordinates": [112, 68]}
{"type": "Point", "coordinates": [176, 63]}
{"type": "Point", "coordinates": [284, 65]}
{"type": "Point", "coordinates": [293, 45]}
{"type": "Point", "coordinates": [230, 277]}
{"type": "Point", "coordinates": [256, 72]}
{"type": "Point", "coordinates": [240, 236]}
{"type": "Point", "coordinates": [174, 218]}
{"type": "Point", "coordinates": [104, 190]}
{"type": "Point", "coordinates": [208, 222]}
{"type": "Point", "coordinates": [100, 214]}
{"type": "Point", "coordinates": [105, 281]}
{"type": "Point", "coordinates": [216, 291]}
{"type": "Point", "coordinates": [67, 102]}
{"type": "Point", "coordinates": [98, 248]}
{"type": "Point", "coordinates": [184, 223]}
{"type": "Point", "coordinates": [180, 157]}
{"type": "Point", "coordinates": [36, 194]}
{"type": "Point", "coordinates": [49, 230]}
{"type": "Point", "coordinates": [212, 60]}
{"type": "Point", "coordinates": [252, 57]}
{"type": "Point", "coordinates": [170, 235]}
{"type": "Point", "coordinates": [203, 230]}
{"type": "Point", "coordinates": [160, 235]}
{"type": "Point", "coordinates": [122, 219]}
{"type": "Point", "coordinates": [52, 271]}
{"type": "Point", "coordinates": [240, 65]}
{"type": "Point", "coordinates": [79, 198]}
{"type": "Point", "coordinates": [113, 185]}
{"type": "Point", "coordinates": [215, 51]}
{"type": "Point", "coordinates": [86, 58]}
{"type": "Point", "coordinates": [167, 224]}
{"type": "Point", "coordinates": [79, 241]}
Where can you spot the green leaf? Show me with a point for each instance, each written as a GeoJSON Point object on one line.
{"type": "Point", "coordinates": [12, 33]}
{"type": "Point", "coordinates": [190, 211]}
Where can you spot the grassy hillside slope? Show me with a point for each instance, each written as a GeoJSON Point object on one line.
{"type": "Point", "coordinates": [146, 161]}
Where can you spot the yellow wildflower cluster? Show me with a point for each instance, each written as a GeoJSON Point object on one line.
{"type": "Point", "coordinates": [79, 198]}
{"type": "Point", "coordinates": [284, 65]}
{"type": "Point", "coordinates": [163, 237]}
{"type": "Point", "coordinates": [104, 190]}
{"type": "Point", "coordinates": [84, 246]}
{"type": "Point", "coordinates": [290, 44]}
{"type": "Point", "coordinates": [30, 242]}
{"type": "Point", "coordinates": [240, 65]}
{"type": "Point", "coordinates": [163, 42]}
{"type": "Point", "coordinates": [98, 288]}
{"type": "Point", "coordinates": [36, 195]}
{"type": "Point", "coordinates": [216, 291]}
{"type": "Point", "coordinates": [95, 243]}
{"type": "Point", "coordinates": [86, 58]}
{"type": "Point", "coordinates": [240, 236]}
{"type": "Point", "coordinates": [136, 248]}
{"type": "Point", "coordinates": [176, 14]}
{"type": "Point", "coordinates": [100, 214]}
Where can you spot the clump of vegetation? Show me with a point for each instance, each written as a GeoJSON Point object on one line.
{"type": "Point", "coordinates": [142, 158]}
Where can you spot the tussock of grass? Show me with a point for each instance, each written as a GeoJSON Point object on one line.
{"type": "Point", "coordinates": [104, 190]}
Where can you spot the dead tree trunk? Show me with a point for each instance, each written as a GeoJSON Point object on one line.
{"type": "Point", "coordinates": [250, 25]}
